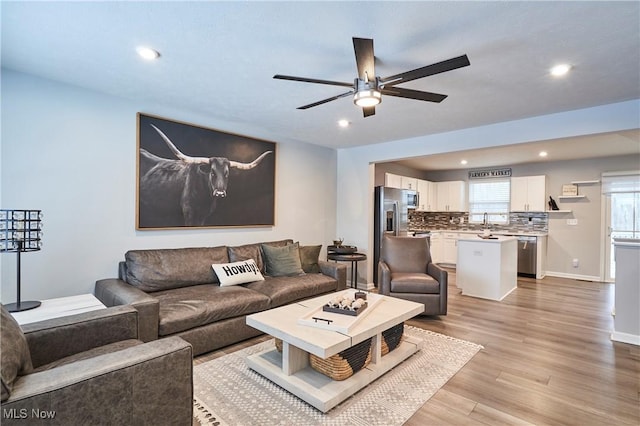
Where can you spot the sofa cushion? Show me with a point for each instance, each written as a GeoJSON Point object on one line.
{"type": "Point", "coordinates": [15, 359]}
{"type": "Point", "coordinates": [253, 251]}
{"type": "Point", "coordinates": [234, 273]}
{"type": "Point", "coordinates": [403, 282]}
{"type": "Point", "coordinates": [284, 290]}
{"type": "Point", "coordinates": [246, 252]}
{"type": "Point", "coordinates": [164, 269]}
{"type": "Point", "coordinates": [282, 261]}
{"type": "Point", "coordinates": [309, 256]}
{"type": "Point", "coordinates": [190, 307]}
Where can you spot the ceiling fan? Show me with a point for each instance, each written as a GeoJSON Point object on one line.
{"type": "Point", "coordinates": [367, 89]}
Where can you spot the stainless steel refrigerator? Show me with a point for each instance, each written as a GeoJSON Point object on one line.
{"type": "Point", "coordinates": [390, 217]}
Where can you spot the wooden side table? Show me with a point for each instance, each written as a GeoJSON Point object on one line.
{"type": "Point", "coordinates": [354, 258]}
{"type": "Point", "coordinates": [59, 307]}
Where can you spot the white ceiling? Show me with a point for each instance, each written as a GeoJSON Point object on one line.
{"type": "Point", "coordinates": [218, 59]}
{"type": "Point", "coordinates": [591, 146]}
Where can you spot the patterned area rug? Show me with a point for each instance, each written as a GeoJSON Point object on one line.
{"type": "Point", "coordinates": [228, 393]}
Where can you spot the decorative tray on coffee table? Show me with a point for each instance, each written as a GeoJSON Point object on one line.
{"type": "Point", "coordinates": [327, 318]}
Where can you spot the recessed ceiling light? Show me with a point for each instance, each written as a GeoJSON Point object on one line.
{"type": "Point", "coordinates": [343, 123]}
{"type": "Point", "coordinates": [463, 162]}
{"type": "Point", "coordinates": [560, 70]}
{"type": "Point", "coordinates": [543, 154]}
{"type": "Point", "coordinates": [147, 53]}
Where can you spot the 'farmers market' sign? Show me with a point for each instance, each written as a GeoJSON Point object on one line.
{"type": "Point", "coordinates": [493, 173]}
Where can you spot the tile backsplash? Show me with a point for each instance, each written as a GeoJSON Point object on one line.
{"type": "Point", "coordinates": [518, 221]}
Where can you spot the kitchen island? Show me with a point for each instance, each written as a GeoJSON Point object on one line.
{"type": "Point", "coordinates": [487, 267]}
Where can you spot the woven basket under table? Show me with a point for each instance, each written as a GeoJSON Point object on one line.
{"type": "Point", "coordinates": [343, 365]}
{"type": "Point", "coordinates": [391, 338]}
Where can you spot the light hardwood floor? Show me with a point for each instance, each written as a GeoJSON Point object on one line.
{"type": "Point", "coordinates": [547, 359]}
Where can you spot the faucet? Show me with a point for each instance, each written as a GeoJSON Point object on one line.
{"type": "Point", "coordinates": [486, 219]}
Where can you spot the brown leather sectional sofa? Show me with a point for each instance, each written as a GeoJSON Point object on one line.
{"type": "Point", "coordinates": [177, 293]}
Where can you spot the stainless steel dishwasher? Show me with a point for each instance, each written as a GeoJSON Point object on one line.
{"type": "Point", "coordinates": [527, 248]}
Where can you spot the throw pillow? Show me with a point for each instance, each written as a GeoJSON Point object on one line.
{"type": "Point", "coordinates": [309, 256]}
{"type": "Point", "coordinates": [16, 360]}
{"type": "Point", "coordinates": [245, 271]}
{"type": "Point", "coordinates": [282, 261]}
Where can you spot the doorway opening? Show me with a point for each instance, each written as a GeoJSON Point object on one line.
{"type": "Point", "coordinates": [622, 214]}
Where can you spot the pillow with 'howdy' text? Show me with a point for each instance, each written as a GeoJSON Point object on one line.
{"type": "Point", "coordinates": [245, 271]}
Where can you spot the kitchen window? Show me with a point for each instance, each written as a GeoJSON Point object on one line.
{"type": "Point", "coordinates": [491, 196]}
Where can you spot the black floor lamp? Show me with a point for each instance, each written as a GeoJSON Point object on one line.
{"type": "Point", "coordinates": [20, 231]}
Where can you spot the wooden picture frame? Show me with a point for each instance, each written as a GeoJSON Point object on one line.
{"type": "Point", "coordinates": [190, 176]}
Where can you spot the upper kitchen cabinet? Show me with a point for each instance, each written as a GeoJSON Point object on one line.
{"type": "Point", "coordinates": [528, 194]}
{"type": "Point", "coordinates": [398, 181]}
{"type": "Point", "coordinates": [409, 183]}
{"type": "Point", "coordinates": [451, 196]}
{"type": "Point", "coordinates": [426, 196]}
{"type": "Point", "coordinates": [392, 181]}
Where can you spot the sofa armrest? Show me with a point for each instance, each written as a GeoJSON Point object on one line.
{"type": "Point", "coordinates": [151, 383]}
{"type": "Point", "coordinates": [113, 292]}
{"type": "Point", "coordinates": [56, 338]}
{"type": "Point", "coordinates": [336, 271]}
{"type": "Point", "coordinates": [384, 278]}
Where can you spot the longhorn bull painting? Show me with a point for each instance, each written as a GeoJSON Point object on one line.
{"type": "Point", "coordinates": [190, 176]}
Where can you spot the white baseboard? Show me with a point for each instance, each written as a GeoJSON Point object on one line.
{"type": "Point", "coordinates": [573, 276]}
{"type": "Point", "coordinates": [632, 339]}
{"type": "Point", "coordinates": [366, 286]}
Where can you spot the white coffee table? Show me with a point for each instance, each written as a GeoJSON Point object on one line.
{"type": "Point", "coordinates": [291, 370]}
{"type": "Point", "coordinates": [59, 307]}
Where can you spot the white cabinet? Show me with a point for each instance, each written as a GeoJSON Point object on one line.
{"type": "Point", "coordinates": [451, 196]}
{"type": "Point", "coordinates": [450, 248]}
{"type": "Point", "coordinates": [487, 268]}
{"type": "Point", "coordinates": [409, 183]}
{"type": "Point", "coordinates": [398, 181]}
{"type": "Point", "coordinates": [426, 196]}
{"type": "Point", "coordinates": [528, 193]}
{"type": "Point", "coordinates": [392, 181]}
{"type": "Point", "coordinates": [435, 245]}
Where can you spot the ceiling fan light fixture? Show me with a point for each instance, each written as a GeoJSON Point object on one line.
{"type": "Point", "coordinates": [367, 98]}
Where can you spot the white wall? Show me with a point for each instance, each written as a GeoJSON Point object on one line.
{"type": "Point", "coordinates": [356, 170]}
{"type": "Point", "coordinates": [72, 153]}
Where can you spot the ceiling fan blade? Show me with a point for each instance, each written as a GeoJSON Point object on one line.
{"type": "Point", "coordinates": [365, 60]}
{"type": "Point", "coordinates": [437, 68]}
{"type": "Point", "coordinates": [413, 94]}
{"type": "Point", "coordinates": [312, 80]}
{"type": "Point", "coordinates": [368, 111]}
{"type": "Point", "coordinates": [324, 101]}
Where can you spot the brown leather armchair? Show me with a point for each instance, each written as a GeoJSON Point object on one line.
{"type": "Point", "coordinates": [405, 271]}
{"type": "Point", "coordinates": [91, 368]}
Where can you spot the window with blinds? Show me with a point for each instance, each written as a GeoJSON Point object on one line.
{"type": "Point", "coordinates": [491, 196]}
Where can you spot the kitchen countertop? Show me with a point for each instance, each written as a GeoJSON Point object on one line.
{"type": "Point", "coordinates": [496, 238]}
{"type": "Point", "coordinates": [479, 231]}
